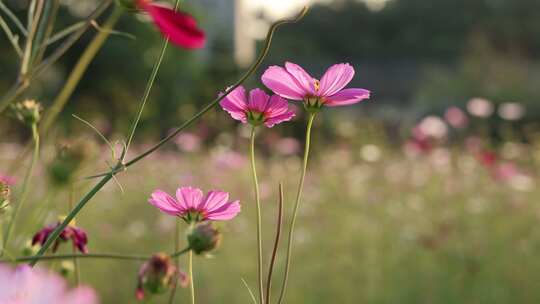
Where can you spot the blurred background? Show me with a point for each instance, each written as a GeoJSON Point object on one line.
{"type": "Point", "coordinates": [426, 193]}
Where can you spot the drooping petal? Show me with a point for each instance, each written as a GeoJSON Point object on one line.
{"type": "Point", "coordinates": [189, 197]}
{"type": "Point", "coordinates": [258, 100]}
{"type": "Point", "coordinates": [283, 83]}
{"type": "Point", "coordinates": [225, 212]}
{"type": "Point", "coordinates": [278, 119]}
{"type": "Point", "coordinates": [235, 104]}
{"type": "Point", "coordinates": [306, 82]}
{"type": "Point", "coordinates": [335, 79]}
{"type": "Point", "coordinates": [214, 200]}
{"type": "Point", "coordinates": [165, 203]}
{"type": "Point", "coordinates": [346, 97]}
{"type": "Point", "coordinates": [179, 27]}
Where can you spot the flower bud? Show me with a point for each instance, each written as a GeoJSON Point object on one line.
{"type": "Point", "coordinates": [69, 158]}
{"type": "Point", "coordinates": [157, 275]}
{"type": "Point", "coordinates": [28, 111]}
{"type": "Point", "coordinates": [5, 183]}
{"type": "Point", "coordinates": [203, 238]}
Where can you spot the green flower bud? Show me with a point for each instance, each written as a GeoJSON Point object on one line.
{"type": "Point", "coordinates": [203, 238]}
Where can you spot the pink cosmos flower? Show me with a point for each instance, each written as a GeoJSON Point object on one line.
{"type": "Point", "coordinates": [180, 28]}
{"type": "Point", "coordinates": [7, 180]}
{"type": "Point", "coordinates": [294, 83]}
{"type": "Point", "coordinates": [191, 206]}
{"type": "Point", "coordinates": [258, 108]}
{"type": "Point", "coordinates": [77, 236]}
{"type": "Point", "coordinates": [24, 285]}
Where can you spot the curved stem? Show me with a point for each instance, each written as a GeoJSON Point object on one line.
{"type": "Point", "coordinates": [120, 167]}
{"type": "Point", "coordinates": [24, 189]}
{"type": "Point", "coordinates": [276, 243]}
{"type": "Point", "coordinates": [296, 206]}
{"type": "Point", "coordinates": [190, 273]}
{"type": "Point", "coordinates": [258, 216]}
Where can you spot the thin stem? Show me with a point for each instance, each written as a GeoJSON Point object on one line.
{"type": "Point", "coordinates": [276, 243]}
{"type": "Point", "coordinates": [78, 71]}
{"type": "Point", "coordinates": [296, 206]}
{"type": "Point", "coordinates": [73, 248]}
{"type": "Point", "coordinates": [177, 260]}
{"type": "Point", "coordinates": [27, 56]}
{"type": "Point", "coordinates": [120, 167]}
{"type": "Point", "coordinates": [258, 214]}
{"type": "Point", "coordinates": [24, 190]}
{"type": "Point", "coordinates": [190, 273]}
{"type": "Point", "coordinates": [149, 85]}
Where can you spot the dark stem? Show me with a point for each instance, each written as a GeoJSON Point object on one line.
{"type": "Point", "coordinates": [276, 243]}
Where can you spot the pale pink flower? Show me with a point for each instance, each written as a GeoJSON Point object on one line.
{"type": "Point", "coordinates": [456, 117]}
{"type": "Point", "coordinates": [480, 107]}
{"type": "Point", "coordinates": [258, 108]}
{"type": "Point", "coordinates": [7, 180]}
{"type": "Point", "coordinates": [191, 206]}
{"type": "Point", "coordinates": [294, 83]}
{"type": "Point", "coordinates": [24, 285]}
{"type": "Point", "coordinates": [511, 111]}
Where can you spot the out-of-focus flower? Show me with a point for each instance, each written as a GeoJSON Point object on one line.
{"type": "Point", "coordinates": [179, 27]}
{"type": "Point", "coordinates": [487, 158]}
{"type": "Point", "coordinates": [5, 184]}
{"type": "Point", "coordinates": [70, 156]}
{"type": "Point", "coordinates": [294, 83]}
{"type": "Point", "coordinates": [28, 111]}
{"type": "Point", "coordinates": [480, 107]}
{"type": "Point", "coordinates": [456, 117]}
{"type": "Point", "coordinates": [224, 158]}
{"type": "Point", "coordinates": [192, 207]}
{"type": "Point", "coordinates": [157, 275]}
{"type": "Point", "coordinates": [24, 285]}
{"type": "Point", "coordinates": [433, 126]}
{"type": "Point", "coordinates": [258, 108]}
{"type": "Point", "coordinates": [287, 146]}
{"type": "Point", "coordinates": [77, 236]}
{"type": "Point", "coordinates": [203, 238]}
{"type": "Point", "coordinates": [188, 142]}
{"type": "Point", "coordinates": [419, 143]}
{"type": "Point", "coordinates": [505, 171]}
{"type": "Point", "coordinates": [370, 153]}
{"type": "Point", "coordinates": [511, 111]}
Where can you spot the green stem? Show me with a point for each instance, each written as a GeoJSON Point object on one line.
{"type": "Point", "coordinates": [27, 56]}
{"type": "Point", "coordinates": [276, 243]}
{"type": "Point", "coordinates": [80, 68]}
{"type": "Point", "coordinates": [73, 248]}
{"type": "Point", "coordinates": [190, 273]}
{"type": "Point", "coordinates": [120, 167]}
{"type": "Point", "coordinates": [296, 206]}
{"type": "Point", "coordinates": [177, 260]}
{"type": "Point", "coordinates": [24, 190]}
{"type": "Point", "coordinates": [258, 214]}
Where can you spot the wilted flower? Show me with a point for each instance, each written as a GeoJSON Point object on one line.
{"type": "Point", "coordinates": [258, 108]}
{"type": "Point", "coordinates": [157, 275]}
{"type": "Point", "coordinates": [480, 107]}
{"type": "Point", "coordinates": [191, 206]}
{"type": "Point", "coordinates": [203, 237]}
{"type": "Point", "coordinates": [28, 111]}
{"type": "Point", "coordinates": [456, 117]}
{"type": "Point", "coordinates": [294, 83]}
{"type": "Point", "coordinates": [179, 27]}
{"type": "Point", "coordinates": [77, 236]}
{"type": "Point", "coordinates": [24, 285]}
{"type": "Point", "coordinates": [511, 111]}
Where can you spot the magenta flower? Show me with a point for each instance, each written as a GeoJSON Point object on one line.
{"type": "Point", "coordinates": [191, 206]}
{"type": "Point", "coordinates": [77, 236]}
{"type": "Point", "coordinates": [258, 108]}
{"type": "Point", "coordinates": [24, 285]}
{"type": "Point", "coordinates": [179, 27]}
{"type": "Point", "coordinates": [294, 83]}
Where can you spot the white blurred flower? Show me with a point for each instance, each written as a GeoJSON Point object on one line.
{"type": "Point", "coordinates": [433, 126]}
{"type": "Point", "coordinates": [511, 111]}
{"type": "Point", "coordinates": [480, 107]}
{"type": "Point", "coordinates": [522, 182]}
{"type": "Point", "coordinates": [370, 153]}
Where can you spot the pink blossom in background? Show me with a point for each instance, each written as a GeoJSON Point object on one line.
{"type": "Point", "coordinates": [505, 171]}
{"type": "Point", "coordinates": [480, 107]}
{"type": "Point", "coordinates": [487, 158]}
{"type": "Point", "coordinates": [433, 126]}
{"type": "Point", "coordinates": [191, 206]}
{"type": "Point", "coordinates": [287, 146]}
{"type": "Point", "coordinates": [188, 142]}
{"type": "Point", "coordinates": [179, 27]}
{"type": "Point", "coordinates": [456, 117]}
{"type": "Point", "coordinates": [7, 180]}
{"type": "Point", "coordinates": [419, 143]}
{"type": "Point", "coordinates": [24, 285]}
{"type": "Point", "coordinates": [511, 111]}
{"type": "Point", "coordinates": [77, 236]}
{"type": "Point", "coordinates": [292, 82]}
{"type": "Point", "coordinates": [257, 108]}
{"type": "Point", "coordinates": [228, 159]}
